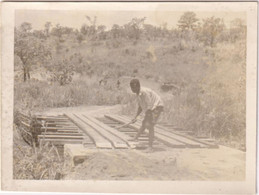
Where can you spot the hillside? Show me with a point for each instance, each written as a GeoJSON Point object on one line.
{"type": "Point", "coordinates": [204, 69]}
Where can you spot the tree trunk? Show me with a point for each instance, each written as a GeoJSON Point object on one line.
{"type": "Point", "coordinates": [212, 41]}
{"type": "Point", "coordinates": [28, 74]}
{"type": "Point", "coordinates": [24, 75]}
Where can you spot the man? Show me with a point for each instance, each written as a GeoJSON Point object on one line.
{"type": "Point", "coordinates": [151, 104]}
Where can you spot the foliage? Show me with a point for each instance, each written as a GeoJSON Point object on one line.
{"type": "Point", "coordinates": [59, 31]}
{"type": "Point", "coordinates": [237, 30]}
{"type": "Point", "coordinates": [195, 57]}
{"type": "Point", "coordinates": [29, 48]}
{"type": "Point", "coordinates": [79, 38]}
{"type": "Point", "coordinates": [47, 28]}
{"type": "Point", "coordinates": [62, 71]}
{"type": "Point", "coordinates": [211, 29]}
{"type": "Point", "coordinates": [188, 21]}
{"type": "Point", "coordinates": [36, 163]}
{"type": "Point", "coordinates": [133, 28]}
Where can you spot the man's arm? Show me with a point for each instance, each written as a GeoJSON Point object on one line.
{"type": "Point", "coordinates": [138, 113]}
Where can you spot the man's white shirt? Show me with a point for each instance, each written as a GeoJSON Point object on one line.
{"type": "Point", "coordinates": [148, 99]}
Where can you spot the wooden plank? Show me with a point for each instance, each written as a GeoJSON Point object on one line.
{"type": "Point", "coordinates": [168, 141]}
{"type": "Point", "coordinates": [115, 132]}
{"type": "Point", "coordinates": [160, 131]}
{"type": "Point", "coordinates": [65, 126]}
{"type": "Point", "coordinates": [66, 131]}
{"type": "Point", "coordinates": [25, 124]}
{"type": "Point", "coordinates": [59, 137]}
{"type": "Point", "coordinates": [58, 128]}
{"type": "Point", "coordinates": [116, 141]}
{"type": "Point", "coordinates": [51, 116]}
{"type": "Point", "coordinates": [99, 141]}
{"type": "Point", "coordinates": [61, 133]}
{"type": "Point", "coordinates": [204, 143]}
{"type": "Point", "coordinates": [53, 119]}
{"type": "Point", "coordinates": [62, 141]}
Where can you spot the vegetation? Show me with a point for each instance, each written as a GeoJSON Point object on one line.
{"type": "Point", "coordinates": [36, 163]}
{"type": "Point", "coordinates": [203, 59]}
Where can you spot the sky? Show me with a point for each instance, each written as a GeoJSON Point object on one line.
{"type": "Point", "coordinates": [75, 19]}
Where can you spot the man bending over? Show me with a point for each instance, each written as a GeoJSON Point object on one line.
{"type": "Point", "coordinates": [151, 104]}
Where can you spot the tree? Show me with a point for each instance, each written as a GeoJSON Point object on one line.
{"type": "Point", "coordinates": [211, 29]}
{"type": "Point", "coordinates": [101, 32]}
{"type": "Point", "coordinates": [26, 27]}
{"type": "Point", "coordinates": [115, 31]}
{"type": "Point", "coordinates": [237, 29]}
{"type": "Point", "coordinates": [39, 34]}
{"type": "Point", "coordinates": [79, 38]}
{"type": "Point", "coordinates": [47, 28]}
{"type": "Point", "coordinates": [187, 21]}
{"type": "Point", "coordinates": [134, 27]}
{"type": "Point", "coordinates": [29, 49]}
{"type": "Point", "coordinates": [89, 29]}
{"type": "Point", "coordinates": [57, 31]}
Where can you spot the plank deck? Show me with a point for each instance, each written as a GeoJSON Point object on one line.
{"type": "Point", "coordinates": [162, 131]}
{"type": "Point", "coordinates": [99, 141]}
{"type": "Point", "coordinates": [203, 143]}
{"type": "Point", "coordinates": [164, 139]}
{"type": "Point", "coordinates": [116, 141]}
{"type": "Point", "coordinates": [113, 131]}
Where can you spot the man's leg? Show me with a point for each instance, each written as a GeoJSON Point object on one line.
{"type": "Point", "coordinates": [151, 124]}
{"type": "Point", "coordinates": [151, 136]}
{"type": "Point", "coordinates": [145, 123]}
{"type": "Point", "coordinates": [141, 130]}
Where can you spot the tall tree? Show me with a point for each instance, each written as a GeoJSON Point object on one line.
{"type": "Point", "coordinates": [134, 27]}
{"type": "Point", "coordinates": [47, 28]}
{"type": "Point", "coordinates": [211, 29]}
{"type": "Point", "coordinates": [188, 21]}
{"type": "Point", "coordinates": [29, 49]}
{"type": "Point", "coordinates": [57, 31]}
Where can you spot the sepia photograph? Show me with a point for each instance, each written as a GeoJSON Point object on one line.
{"type": "Point", "coordinates": [131, 93]}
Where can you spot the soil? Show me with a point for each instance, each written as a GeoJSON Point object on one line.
{"type": "Point", "coordinates": [223, 164]}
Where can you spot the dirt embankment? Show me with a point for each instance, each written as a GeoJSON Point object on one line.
{"type": "Point", "coordinates": [223, 164]}
{"type": "Point", "coordinates": [124, 165]}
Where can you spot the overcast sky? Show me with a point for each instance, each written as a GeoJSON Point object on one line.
{"type": "Point", "coordinates": [75, 19]}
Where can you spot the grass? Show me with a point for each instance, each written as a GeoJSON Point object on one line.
{"type": "Point", "coordinates": [211, 99]}
{"type": "Point", "coordinates": [213, 105]}
{"type": "Point", "coordinates": [41, 163]}
{"type": "Point", "coordinates": [40, 94]}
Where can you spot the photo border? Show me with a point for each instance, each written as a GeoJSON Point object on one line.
{"type": "Point", "coordinates": [90, 186]}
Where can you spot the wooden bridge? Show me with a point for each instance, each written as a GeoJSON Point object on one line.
{"type": "Point", "coordinates": [103, 132]}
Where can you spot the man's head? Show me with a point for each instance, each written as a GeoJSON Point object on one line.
{"type": "Point", "coordinates": [135, 86]}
